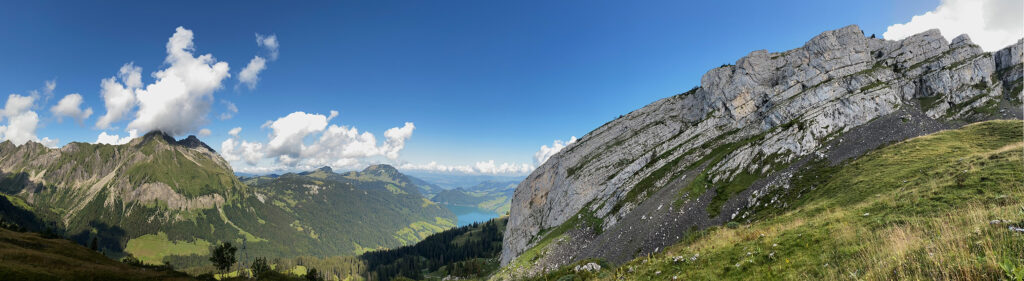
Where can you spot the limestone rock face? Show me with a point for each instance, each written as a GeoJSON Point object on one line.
{"type": "Point", "coordinates": [773, 109]}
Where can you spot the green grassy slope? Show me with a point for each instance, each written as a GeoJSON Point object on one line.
{"type": "Point", "coordinates": [936, 207]}
{"type": "Point", "coordinates": [95, 190]}
{"type": "Point", "coordinates": [27, 256]}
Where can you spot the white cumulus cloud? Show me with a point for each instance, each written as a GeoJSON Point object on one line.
{"type": "Point", "coordinates": [71, 106]}
{"type": "Point", "coordinates": [992, 24]}
{"type": "Point", "coordinates": [396, 140]}
{"type": "Point", "coordinates": [204, 132]}
{"type": "Point", "coordinates": [118, 98]}
{"type": "Point", "coordinates": [303, 139]}
{"type": "Point", "coordinates": [180, 98]}
{"type": "Point", "coordinates": [482, 167]}
{"type": "Point", "coordinates": [287, 133]}
{"type": "Point", "coordinates": [234, 150]}
{"type": "Point", "coordinates": [105, 138]}
{"type": "Point", "coordinates": [489, 167]}
{"type": "Point", "coordinates": [21, 121]}
{"type": "Point", "coordinates": [250, 74]}
{"type": "Point", "coordinates": [546, 152]}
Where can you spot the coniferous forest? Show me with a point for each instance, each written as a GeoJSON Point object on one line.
{"type": "Point", "coordinates": [463, 252]}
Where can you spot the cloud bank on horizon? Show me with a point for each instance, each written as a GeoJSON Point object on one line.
{"type": "Point", "coordinates": [992, 24]}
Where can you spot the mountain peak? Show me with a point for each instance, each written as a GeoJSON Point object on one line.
{"type": "Point", "coordinates": [325, 169]}
{"type": "Point", "coordinates": [193, 142]}
{"type": "Point", "coordinates": [190, 142]}
{"type": "Point", "coordinates": [381, 169]}
{"type": "Point", "coordinates": [160, 135]}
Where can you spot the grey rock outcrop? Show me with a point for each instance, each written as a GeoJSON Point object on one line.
{"type": "Point", "coordinates": [839, 95]}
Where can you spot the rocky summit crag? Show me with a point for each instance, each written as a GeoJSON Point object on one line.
{"type": "Point", "coordinates": [717, 152]}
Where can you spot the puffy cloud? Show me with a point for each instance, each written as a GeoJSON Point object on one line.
{"type": "Point", "coordinates": [250, 74]}
{"type": "Point", "coordinates": [71, 106]}
{"type": "Point", "coordinates": [268, 42]}
{"type": "Point", "coordinates": [204, 132]}
{"type": "Point", "coordinates": [483, 167]}
{"type": "Point", "coordinates": [433, 166]}
{"type": "Point", "coordinates": [304, 139]}
{"type": "Point", "coordinates": [21, 120]}
{"type": "Point", "coordinates": [105, 138]}
{"type": "Point", "coordinates": [51, 143]}
{"type": "Point", "coordinates": [234, 150]}
{"type": "Point", "coordinates": [287, 133]}
{"type": "Point", "coordinates": [17, 104]}
{"type": "Point", "coordinates": [118, 98]}
{"type": "Point", "coordinates": [546, 152]}
{"type": "Point", "coordinates": [489, 167]}
{"type": "Point", "coordinates": [130, 75]}
{"type": "Point", "coordinates": [992, 24]}
{"type": "Point", "coordinates": [180, 98]}
{"type": "Point", "coordinates": [234, 132]}
{"type": "Point", "coordinates": [396, 140]}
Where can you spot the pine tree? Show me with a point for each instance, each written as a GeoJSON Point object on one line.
{"type": "Point", "coordinates": [223, 256]}
{"type": "Point", "coordinates": [313, 275]}
{"type": "Point", "coordinates": [259, 267]}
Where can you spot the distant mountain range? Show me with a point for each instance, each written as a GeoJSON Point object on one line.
{"type": "Point", "coordinates": [492, 196]}
{"type": "Point", "coordinates": [452, 181]}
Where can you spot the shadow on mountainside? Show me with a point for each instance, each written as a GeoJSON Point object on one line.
{"type": "Point", "coordinates": [109, 239]}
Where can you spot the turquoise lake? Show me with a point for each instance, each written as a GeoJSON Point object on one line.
{"type": "Point", "coordinates": [469, 215]}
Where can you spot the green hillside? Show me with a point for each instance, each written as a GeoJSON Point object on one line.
{"type": "Point", "coordinates": [322, 213]}
{"type": "Point", "coordinates": [28, 256]}
{"type": "Point", "coordinates": [937, 207]}
{"type": "Point", "coordinates": [167, 201]}
{"type": "Point", "coordinates": [149, 189]}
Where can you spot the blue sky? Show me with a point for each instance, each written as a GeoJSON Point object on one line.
{"type": "Point", "coordinates": [480, 80]}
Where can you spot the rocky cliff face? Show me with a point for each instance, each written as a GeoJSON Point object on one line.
{"type": "Point", "coordinates": [710, 155]}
